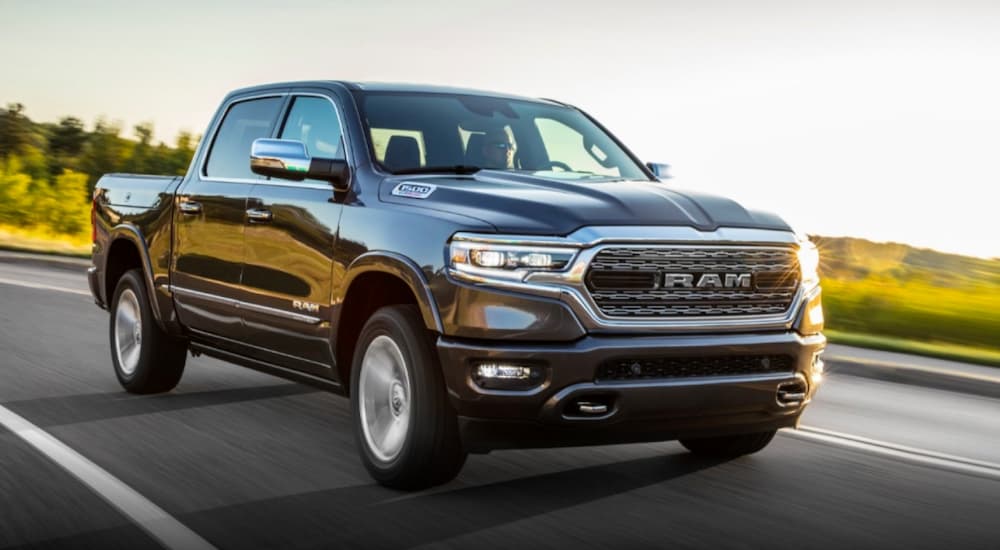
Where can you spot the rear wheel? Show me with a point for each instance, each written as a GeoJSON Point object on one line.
{"type": "Point", "coordinates": [729, 446]}
{"type": "Point", "coordinates": [146, 359]}
{"type": "Point", "coordinates": [405, 428]}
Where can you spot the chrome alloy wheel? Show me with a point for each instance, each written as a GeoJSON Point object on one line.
{"type": "Point", "coordinates": [384, 390]}
{"type": "Point", "coordinates": [128, 332]}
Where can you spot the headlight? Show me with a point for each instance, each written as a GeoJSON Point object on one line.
{"type": "Point", "coordinates": [808, 262]}
{"type": "Point", "coordinates": [507, 261]}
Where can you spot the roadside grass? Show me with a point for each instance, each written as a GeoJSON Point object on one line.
{"type": "Point", "coordinates": [43, 242]}
{"type": "Point", "coordinates": [953, 352]}
{"type": "Point", "coordinates": [966, 313]}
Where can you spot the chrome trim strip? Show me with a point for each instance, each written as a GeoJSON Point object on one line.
{"type": "Point", "coordinates": [586, 237]}
{"type": "Point", "coordinates": [231, 180]}
{"type": "Point", "coordinates": [239, 304]}
{"type": "Point", "coordinates": [569, 287]}
{"type": "Point", "coordinates": [737, 236]}
{"type": "Point", "coordinates": [308, 319]}
{"type": "Point", "coordinates": [203, 295]}
{"type": "Point", "coordinates": [517, 240]}
{"type": "Point", "coordinates": [297, 185]}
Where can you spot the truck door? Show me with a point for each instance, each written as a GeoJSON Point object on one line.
{"type": "Point", "coordinates": [291, 234]}
{"type": "Point", "coordinates": [210, 221]}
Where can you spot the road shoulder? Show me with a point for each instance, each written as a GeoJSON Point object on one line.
{"type": "Point", "coordinates": [913, 370]}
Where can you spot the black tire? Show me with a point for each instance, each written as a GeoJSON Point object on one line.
{"type": "Point", "coordinates": [729, 446]}
{"type": "Point", "coordinates": [431, 451]}
{"type": "Point", "coordinates": [158, 364]}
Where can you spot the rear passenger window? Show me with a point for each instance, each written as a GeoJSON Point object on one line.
{"type": "Point", "coordinates": [244, 122]}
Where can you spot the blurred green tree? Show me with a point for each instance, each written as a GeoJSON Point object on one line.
{"type": "Point", "coordinates": [68, 137]}
{"type": "Point", "coordinates": [15, 192]}
{"type": "Point", "coordinates": [15, 133]}
{"type": "Point", "coordinates": [104, 153]}
{"type": "Point", "coordinates": [48, 170]}
{"type": "Point", "coordinates": [65, 142]}
{"type": "Point", "coordinates": [140, 162]}
{"type": "Point", "coordinates": [182, 154]}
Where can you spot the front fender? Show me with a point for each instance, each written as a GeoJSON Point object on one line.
{"type": "Point", "coordinates": [403, 268]}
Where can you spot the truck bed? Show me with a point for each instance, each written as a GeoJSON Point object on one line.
{"type": "Point", "coordinates": [135, 190]}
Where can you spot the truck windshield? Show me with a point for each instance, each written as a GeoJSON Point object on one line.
{"type": "Point", "coordinates": [411, 132]}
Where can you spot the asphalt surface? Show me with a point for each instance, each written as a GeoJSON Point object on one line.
{"type": "Point", "coordinates": [246, 460]}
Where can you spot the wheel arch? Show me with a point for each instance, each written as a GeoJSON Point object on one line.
{"type": "Point", "coordinates": [128, 250]}
{"type": "Point", "coordinates": [375, 280]}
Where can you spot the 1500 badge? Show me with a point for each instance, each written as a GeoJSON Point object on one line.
{"type": "Point", "coordinates": [414, 190]}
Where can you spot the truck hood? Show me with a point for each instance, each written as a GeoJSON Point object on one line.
{"type": "Point", "coordinates": [539, 205]}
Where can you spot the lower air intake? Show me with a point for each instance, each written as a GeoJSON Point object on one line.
{"type": "Point", "coordinates": [641, 368]}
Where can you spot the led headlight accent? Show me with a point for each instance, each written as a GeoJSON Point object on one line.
{"type": "Point", "coordinates": [488, 258]}
{"type": "Point", "coordinates": [808, 262]}
{"type": "Point", "coordinates": [485, 258]}
{"type": "Point", "coordinates": [811, 320]}
{"type": "Point", "coordinates": [816, 314]}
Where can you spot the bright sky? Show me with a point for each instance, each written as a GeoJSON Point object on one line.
{"type": "Point", "coordinates": [867, 118]}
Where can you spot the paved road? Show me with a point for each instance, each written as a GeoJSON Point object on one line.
{"type": "Point", "coordinates": [242, 460]}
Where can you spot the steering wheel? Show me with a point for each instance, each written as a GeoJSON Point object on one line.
{"type": "Point", "coordinates": [561, 165]}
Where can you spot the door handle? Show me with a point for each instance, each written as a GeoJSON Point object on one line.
{"type": "Point", "coordinates": [256, 215]}
{"type": "Point", "coordinates": [190, 207]}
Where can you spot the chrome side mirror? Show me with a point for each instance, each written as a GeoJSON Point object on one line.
{"type": "Point", "coordinates": [660, 170]}
{"type": "Point", "coordinates": [289, 159]}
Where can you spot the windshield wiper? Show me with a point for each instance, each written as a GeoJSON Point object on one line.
{"type": "Point", "coordinates": [454, 169]}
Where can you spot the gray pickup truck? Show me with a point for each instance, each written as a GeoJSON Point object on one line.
{"type": "Point", "coordinates": [476, 271]}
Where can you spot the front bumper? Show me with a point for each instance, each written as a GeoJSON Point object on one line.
{"type": "Point", "coordinates": [643, 409]}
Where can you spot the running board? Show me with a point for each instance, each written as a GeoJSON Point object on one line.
{"type": "Point", "coordinates": [268, 368]}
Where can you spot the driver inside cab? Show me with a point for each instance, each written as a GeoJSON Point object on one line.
{"type": "Point", "coordinates": [498, 149]}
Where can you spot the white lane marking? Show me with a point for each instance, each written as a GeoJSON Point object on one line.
{"type": "Point", "coordinates": [906, 366]}
{"type": "Point", "coordinates": [161, 526]}
{"type": "Point", "coordinates": [902, 452]}
{"type": "Point", "coordinates": [41, 286]}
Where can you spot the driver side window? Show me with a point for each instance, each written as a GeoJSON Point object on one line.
{"type": "Point", "coordinates": [314, 122]}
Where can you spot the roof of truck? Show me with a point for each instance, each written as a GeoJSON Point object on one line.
{"type": "Point", "coordinates": [386, 87]}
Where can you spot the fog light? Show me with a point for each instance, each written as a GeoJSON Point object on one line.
{"type": "Point", "coordinates": [506, 376]}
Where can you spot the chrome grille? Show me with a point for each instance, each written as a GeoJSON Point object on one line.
{"type": "Point", "coordinates": [629, 281]}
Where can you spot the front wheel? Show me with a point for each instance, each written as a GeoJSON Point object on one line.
{"type": "Point", "coordinates": [405, 428]}
{"type": "Point", "coordinates": [729, 446]}
{"type": "Point", "coordinates": [146, 359]}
